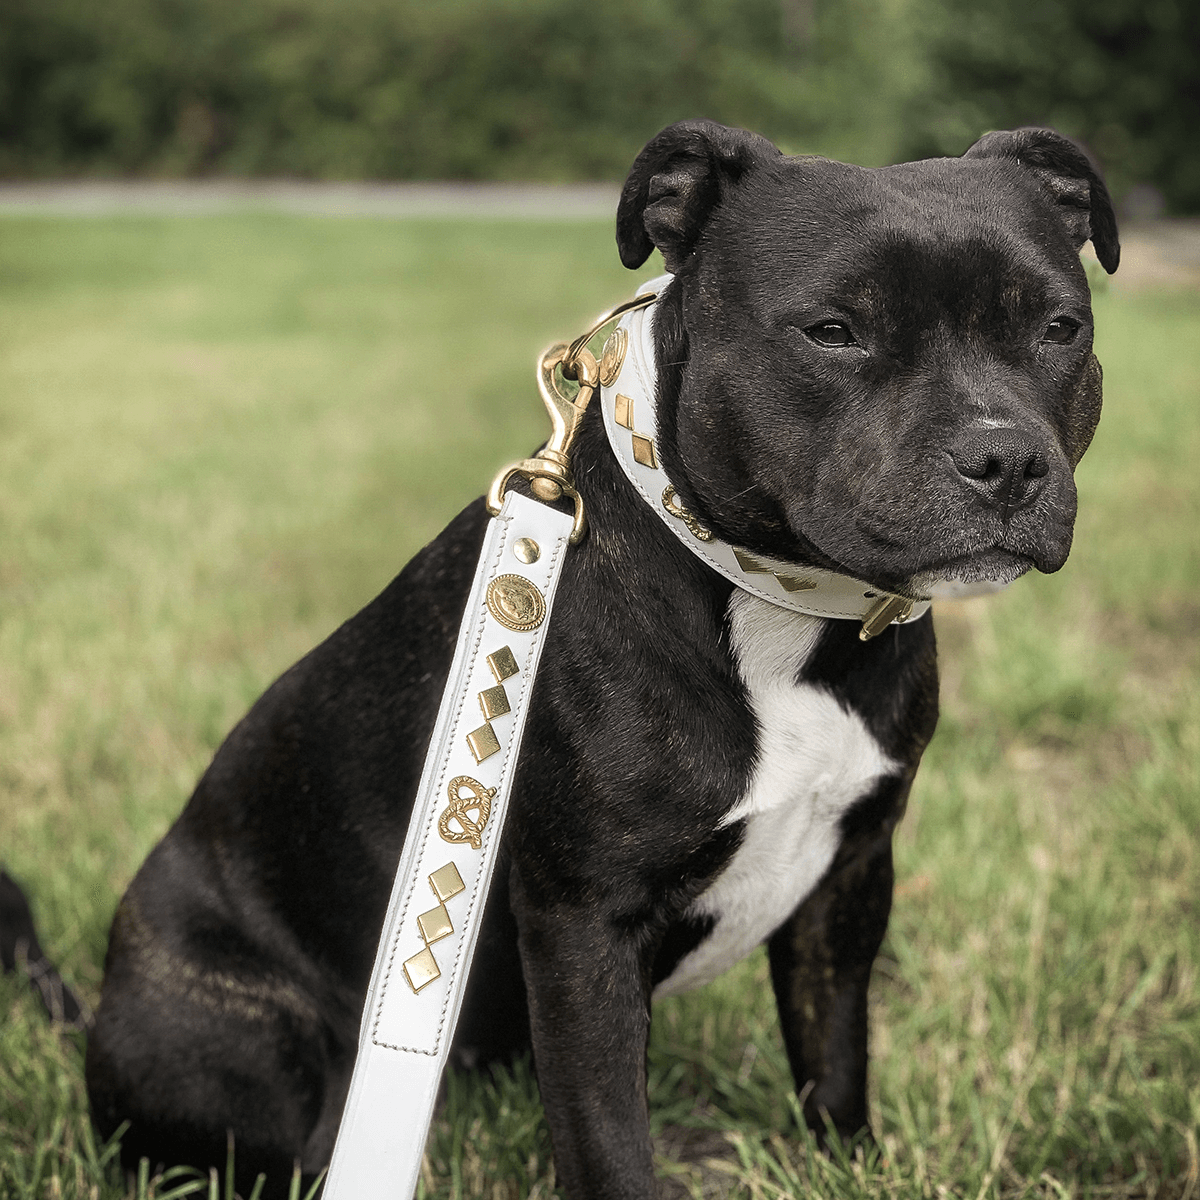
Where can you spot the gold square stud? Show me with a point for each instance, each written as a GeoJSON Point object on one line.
{"type": "Point", "coordinates": [421, 969]}
{"type": "Point", "coordinates": [643, 451]}
{"type": "Point", "coordinates": [503, 664]}
{"type": "Point", "coordinates": [483, 742]}
{"type": "Point", "coordinates": [494, 701]}
{"type": "Point", "coordinates": [435, 924]}
{"type": "Point", "coordinates": [623, 412]}
{"type": "Point", "coordinates": [446, 882]}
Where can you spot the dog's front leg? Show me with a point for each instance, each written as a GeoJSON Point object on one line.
{"type": "Point", "coordinates": [589, 1007]}
{"type": "Point", "coordinates": [820, 967]}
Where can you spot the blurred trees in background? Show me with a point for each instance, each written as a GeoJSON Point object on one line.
{"type": "Point", "coordinates": [571, 89]}
{"type": "Point", "coordinates": [1123, 75]}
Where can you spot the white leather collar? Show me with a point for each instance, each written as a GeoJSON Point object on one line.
{"type": "Point", "coordinates": [629, 417]}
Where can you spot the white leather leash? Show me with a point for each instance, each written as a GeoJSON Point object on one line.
{"type": "Point", "coordinates": [628, 404]}
{"type": "Point", "coordinates": [441, 885]}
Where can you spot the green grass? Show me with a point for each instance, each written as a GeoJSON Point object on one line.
{"type": "Point", "coordinates": [221, 436]}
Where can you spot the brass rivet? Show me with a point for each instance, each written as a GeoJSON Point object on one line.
{"type": "Point", "coordinates": [527, 550]}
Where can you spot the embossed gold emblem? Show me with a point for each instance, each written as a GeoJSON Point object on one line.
{"type": "Point", "coordinates": [516, 603]}
{"type": "Point", "coordinates": [612, 357]}
{"type": "Point", "coordinates": [467, 795]}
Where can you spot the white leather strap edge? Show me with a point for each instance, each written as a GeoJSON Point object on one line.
{"type": "Point", "coordinates": [405, 1035]}
{"type": "Point", "coordinates": [835, 595]}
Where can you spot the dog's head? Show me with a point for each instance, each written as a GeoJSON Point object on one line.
{"type": "Point", "coordinates": [887, 372]}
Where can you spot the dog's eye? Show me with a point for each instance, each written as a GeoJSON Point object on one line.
{"type": "Point", "coordinates": [831, 333]}
{"type": "Point", "coordinates": [1061, 332]}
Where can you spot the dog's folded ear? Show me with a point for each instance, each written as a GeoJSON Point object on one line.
{"type": "Point", "coordinates": [674, 184]}
{"type": "Point", "coordinates": [1071, 179]}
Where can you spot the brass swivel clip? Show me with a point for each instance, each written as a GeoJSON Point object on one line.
{"type": "Point", "coordinates": [549, 471]}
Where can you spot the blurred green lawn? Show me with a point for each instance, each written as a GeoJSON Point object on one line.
{"type": "Point", "coordinates": [220, 436]}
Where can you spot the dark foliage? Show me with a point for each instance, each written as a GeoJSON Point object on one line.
{"type": "Point", "coordinates": [571, 89]}
{"type": "Point", "coordinates": [1121, 75]}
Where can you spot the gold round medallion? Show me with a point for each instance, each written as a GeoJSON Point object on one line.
{"type": "Point", "coordinates": [516, 603]}
{"type": "Point", "coordinates": [612, 358]}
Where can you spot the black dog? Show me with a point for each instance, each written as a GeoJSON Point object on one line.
{"type": "Point", "coordinates": [885, 373]}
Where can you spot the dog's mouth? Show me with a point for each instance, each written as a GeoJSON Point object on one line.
{"type": "Point", "coordinates": [977, 574]}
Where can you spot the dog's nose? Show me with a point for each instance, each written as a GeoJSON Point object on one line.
{"type": "Point", "coordinates": [1004, 465]}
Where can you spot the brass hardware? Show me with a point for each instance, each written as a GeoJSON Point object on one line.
{"type": "Point", "coordinates": [672, 504]}
{"type": "Point", "coordinates": [754, 566]}
{"type": "Point", "coordinates": [466, 794]}
{"type": "Point", "coordinates": [643, 451]}
{"type": "Point", "coordinates": [435, 924]}
{"type": "Point", "coordinates": [549, 471]}
{"type": "Point", "coordinates": [745, 559]}
{"type": "Point", "coordinates": [503, 664]}
{"type": "Point", "coordinates": [526, 550]}
{"type": "Point", "coordinates": [792, 583]}
{"type": "Point", "coordinates": [421, 969]}
{"type": "Point", "coordinates": [446, 882]}
{"type": "Point", "coordinates": [612, 357]}
{"type": "Point", "coordinates": [494, 702]}
{"type": "Point", "coordinates": [623, 411]}
{"type": "Point", "coordinates": [886, 610]}
{"type": "Point", "coordinates": [483, 742]}
{"type": "Point", "coordinates": [613, 313]}
{"type": "Point", "coordinates": [516, 603]}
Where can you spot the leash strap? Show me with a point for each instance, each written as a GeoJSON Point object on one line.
{"type": "Point", "coordinates": [441, 883]}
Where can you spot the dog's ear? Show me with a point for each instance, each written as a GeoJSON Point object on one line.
{"type": "Point", "coordinates": [675, 183]}
{"type": "Point", "coordinates": [1069, 176]}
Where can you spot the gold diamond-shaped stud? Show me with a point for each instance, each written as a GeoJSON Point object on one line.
{"type": "Point", "coordinates": [494, 701]}
{"type": "Point", "coordinates": [503, 664]}
{"type": "Point", "coordinates": [483, 742]}
{"type": "Point", "coordinates": [643, 451]}
{"type": "Point", "coordinates": [793, 583]}
{"type": "Point", "coordinates": [421, 969]}
{"type": "Point", "coordinates": [749, 563]}
{"type": "Point", "coordinates": [623, 412]}
{"type": "Point", "coordinates": [435, 924]}
{"type": "Point", "coordinates": [446, 882]}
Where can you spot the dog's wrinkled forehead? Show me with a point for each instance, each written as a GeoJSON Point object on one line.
{"type": "Point", "coordinates": [945, 239]}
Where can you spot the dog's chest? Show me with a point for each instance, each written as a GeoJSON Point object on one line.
{"type": "Point", "coordinates": [814, 760]}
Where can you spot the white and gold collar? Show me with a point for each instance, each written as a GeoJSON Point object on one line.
{"type": "Point", "coordinates": [629, 417]}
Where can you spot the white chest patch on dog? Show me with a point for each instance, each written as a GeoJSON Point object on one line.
{"type": "Point", "coordinates": [815, 759]}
